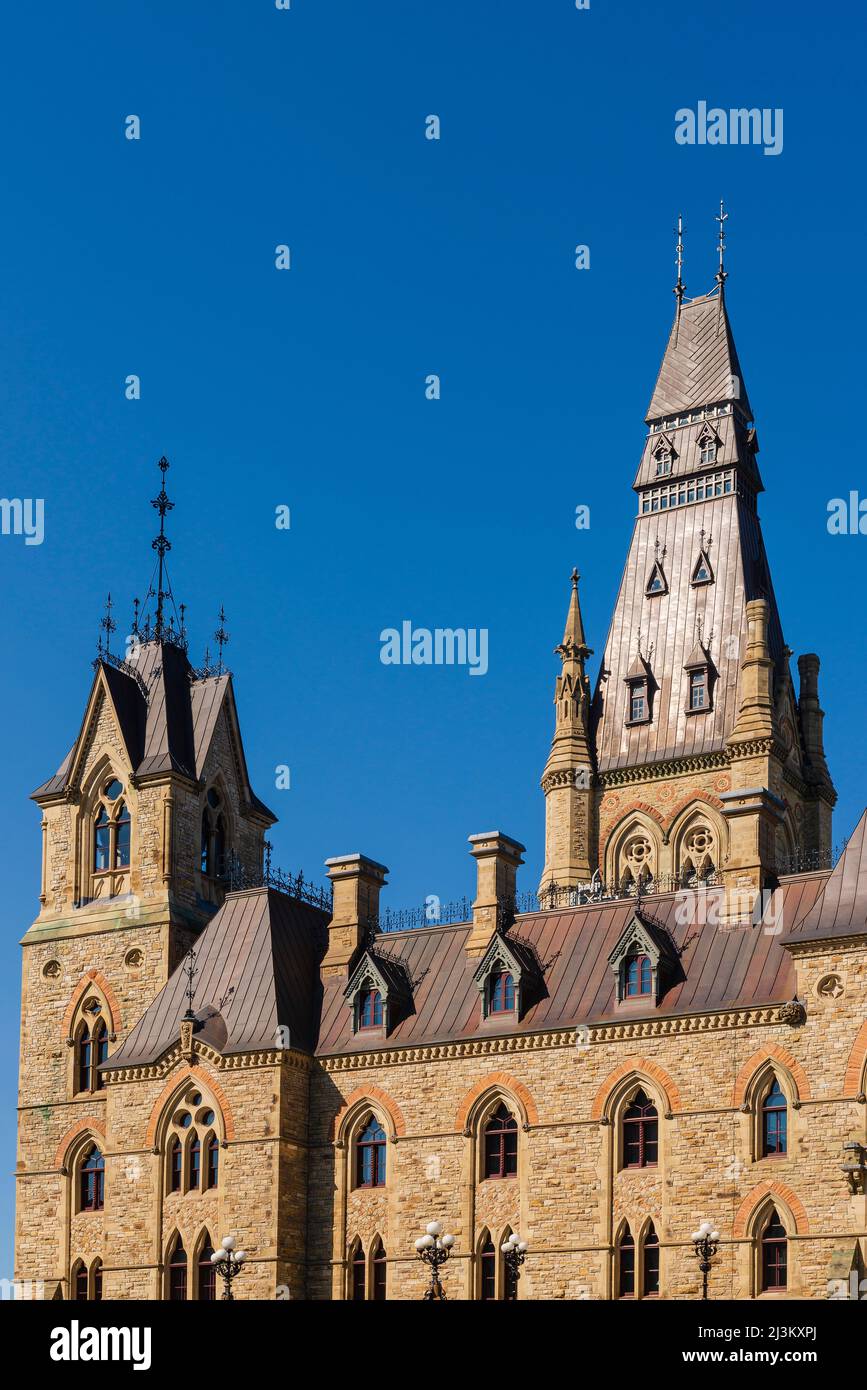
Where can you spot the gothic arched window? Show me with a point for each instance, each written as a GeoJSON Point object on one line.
{"type": "Point", "coordinates": [212, 1161]}
{"type": "Point", "coordinates": [502, 992]}
{"type": "Point", "coordinates": [488, 1271]}
{"type": "Point", "coordinates": [92, 1181]}
{"type": "Point", "coordinates": [178, 1271]}
{"type": "Point", "coordinates": [84, 1058]}
{"type": "Point", "coordinates": [176, 1164]}
{"type": "Point", "coordinates": [379, 1272]}
{"type": "Point", "coordinates": [112, 828]}
{"type": "Point", "coordinates": [370, 1009]}
{"type": "Point", "coordinates": [195, 1162]}
{"type": "Point", "coordinates": [637, 977]}
{"type": "Point", "coordinates": [80, 1282]}
{"type": "Point", "coordinates": [370, 1155]}
{"type": "Point", "coordinates": [774, 1253]}
{"type": "Point", "coordinates": [122, 828]}
{"type": "Point", "coordinates": [501, 1144]}
{"type": "Point", "coordinates": [626, 1265]}
{"type": "Point", "coordinates": [97, 1280]}
{"type": "Point", "coordinates": [359, 1274]}
{"type": "Point", "coordinates": [102, 842]}
{"type": "Point", "coordinates": [774, 1137]}
{"type": "Point", "coordinates": [650, 1273]}
{"type": "Point", "coordinates": [640, 1133]}
{"type": "Point", "coordinates": [214, 855]}
{"type": "Point", "coordinates": [207, 1272]}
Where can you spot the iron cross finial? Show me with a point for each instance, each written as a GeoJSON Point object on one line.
{"type": "Point", "coordinates": [680, 287]}
{"type": "Point", "coordinates": [191, 970]}
{"type": "Point", "coordinates": [722, 273]}
{"type": "Point", "coordinates": [107, 625]}
{"type": "Point", "coordinates": [575, 576]}
{"type": "Point", "coordinates": [221, 637]}
{"type": "Point", "coordinates": [161, 544]}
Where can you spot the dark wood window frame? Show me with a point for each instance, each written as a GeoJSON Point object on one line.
{"type": "Point", "coordinates": [640, 1133]}
{"type": "Point", "coordinates": [370, 1155]}
{"type": "Point", "coordinates": [501, 1145]}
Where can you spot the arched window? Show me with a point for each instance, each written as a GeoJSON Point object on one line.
{"type": "Point", "coordinates": [122, 837]}
{"type": "Point", "coordinates": [774, 1253]}
{"type": "Point", "coordinates": [626, 1265]}
{"type": "Point", "coordinates": [178, 1271]}
{"type": "Point", "coordinates": [84, 1059]}
{"type": "Point", "coordinates": [638, 977]}
{"type": "Point", "coordinates": [97, 1281]}
{"type": "Point", "coordinates": [207, 1272]}
{"type": "Point", "coordinates": [650, 1276]}
{"type": "Point", "coordinates": [501, 1144]}
{"type": "Point", "coordinates": [212, 1161]}
{"type": "Point", "coordinates": [80, 1290]}
{"type": "Point", "coordinates": [176, 1164]}
{"type": "Point", "coordinates": [205, 862]}
{"type": "Point", "coordinates": [102, 842]}
{"type": "Point", "coordinates": [774, 1136]}
{"type": "Point", "coordinates": [488, 1263]}
{"type": "Point", "coordinates": [370, 1009]}
{"type": "Point", "coordinates": [195, 1162]}
{"type": "Point", "coordinates": [370, 1155]}
{"type": "Point", "coordinates": [640, 1133]}
{"type": "Point", "coordinates": [379, 1272]}
{"type": "Point", "coordinates": [100, 1053]}
{"type": "Point", "coordinates": [502, 988]}
{"type": "Point", "coordinates": [92, 1181]}
{"type": "Point", "coordinates": [220, 845]}
{"type": "Point", "coordinates": [359, 1274]}
{"type": "Point", "coordinates": [214, 847]}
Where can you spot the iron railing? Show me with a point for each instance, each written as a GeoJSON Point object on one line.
{"type": "Point", "coordinates": [236, 878]}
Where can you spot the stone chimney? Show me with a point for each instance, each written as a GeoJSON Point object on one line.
{"type": "Point", "coordinates": [498, 858]}
{"type": "Point", "coordinates": [756, 715]}
{"type": "Point", "coordinates": [811, 713]}
{"type": "Point", "coordinates": [357, 883]}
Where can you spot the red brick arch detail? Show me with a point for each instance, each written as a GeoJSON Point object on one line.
{"type": "Point", "coordinates": [855, 1065]}
{"type": "Point", "coordinates": [508, 1083]}
{"type": "Point", "coordinates": [628, 1068]}
{"type": "Point", "coordinates": [371, 1093]}
{"type": "Point", "coordinates": [169, 1089]}
{"type": "Point", "coordinates": [89, 1125]}
{"type": "Point", "coordinates": [763, 1189]}
{"type": "Point", "coordinates": [623, 814]}
{"type": "Point", "coordinates": [93, 977]}
{"type": "Point", "coordinates": [687, 800]}
{"type": "Point", "coordinates": [770, 1053]}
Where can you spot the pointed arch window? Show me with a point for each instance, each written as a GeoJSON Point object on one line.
{"type": "Point", "coordinates": [195, 1162]}
{"type": "Point", "coordinates": [178, 1272]}
{"type": "Point", "coordinates": [92, 1181]}
{"type": "Point", "coordinates": [380, 1273]}
{"type": "Point", "coordinates": [214, 852]}
{"type": "Point", "coordinates": [370, 1009]}
{"type": "Point", "coordinates": [650, 1271]}
{"type": "Point", "coordinates": [626, 1265]}
{"type": "Point", "coordinates": [112, 827]}
{"type": "Point", "coordinates": [80, 1283]}
{"type": "Point", "coordinates": [84, 1060]}
{"type": "Point", "coordinates": [359, 1274]}
{"type": "Point", "coordinates": [501, 1144]}
{"type": "Point", "coordinates": [638, 977]}
{"type": "Point", "coordinates": [205, 855]}
{"type": "Point", "coordinates": [370, 1155]}
{"type": "Point", "coordinates": [176, 1165]}
{"type": "Point", "coordinates": [774, 1122]}
{"type": "Point", "coordinates": [99, 1053]}
{"type": "Point", "coordinates": [207, 1272]}
{"type": "Point", "coordinates": [102, 842]}
{"type": "Point", "coordinates": [488, 1271]}
{"type": "Point", "coordinates": [122, 831]}
{"type": "Point", "coordinates": [640, 1133]}
{"type": "Point", "coordinates": [774, 1254]}
{"type": "Point", "coordinates": [502, 992]}
{"type": "Point", "coordinates": [212, 1161]}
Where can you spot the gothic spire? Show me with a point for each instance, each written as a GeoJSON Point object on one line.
{"type": "Point", "coordinates": [573, 647]}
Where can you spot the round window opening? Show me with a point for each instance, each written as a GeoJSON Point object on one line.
{"type": "Point", "coordinates": [194, 1098]}
{"type": "Point", "coordinates": [112, 789]}
{"type": "Point", "coordinates": [207, 1117]}
{"type": "Point", "coordinates": [184, 1119]}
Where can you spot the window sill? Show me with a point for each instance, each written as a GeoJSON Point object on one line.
{"type": "Point", "coordinates": [705, 709]}
{"type": "Point", "coordinates": [636, 723]}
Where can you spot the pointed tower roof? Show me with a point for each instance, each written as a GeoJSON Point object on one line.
{"type": "Point", "coordinates": [573, 644]}
{"type": "Point", "coordinates": [700, 366]}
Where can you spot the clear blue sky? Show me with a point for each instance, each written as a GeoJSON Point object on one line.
{"type": "Point", "coordinates": [306, 387]}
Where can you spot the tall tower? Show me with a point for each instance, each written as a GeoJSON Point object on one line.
{"type": "Point", "coordinates": [706, 762]}
{"type": "Point", "coordinates": [568, 776]}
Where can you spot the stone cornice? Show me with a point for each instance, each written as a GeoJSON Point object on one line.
{"type": "Point", "coordinates": [656, 772]}
{"type": "Point", "coordinates": [232, 1061]}
{"type": "Point", "coordinates": [820, 946]}
{"type": "Point", "coordinates": [763, 1016]}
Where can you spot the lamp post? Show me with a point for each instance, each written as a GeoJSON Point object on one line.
{"type": "Point", "coordinates": [433, 1249]}
{"type": "Point", "coordinates": [514, 1253]}
{"type": "Point", "coordinates": [228, 1263]}
{"type": "Point", "coordinates": [705, 1242]}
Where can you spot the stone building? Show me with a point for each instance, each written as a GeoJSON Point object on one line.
{"type": "Point", "coordinates": [674, 1030]}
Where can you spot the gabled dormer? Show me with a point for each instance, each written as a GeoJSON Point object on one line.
{"type": "Point", "coordinates": [657, 584]}
{"type": "Point", "coordinates": [709, 446]}
{"type": "Point", "coordinates": [645, 962]}
{"type": "Point", "coordinates": [699, 678]}
{"type": "Point", "coordinates": [640, 687]}
{"type": "Point", "coordinates": [507, 978]}
{"type": "Point", "coordinates": [378, 994]}
{"type": "Point", "coordinates": [664, 456]}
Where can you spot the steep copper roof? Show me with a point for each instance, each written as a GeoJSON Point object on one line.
{"type": "Point", "coordinates": [842, 908]}
{"type": "Point", "coordinates": [700, 361]}
{"type": "Point", "coordinates": [257, 970]}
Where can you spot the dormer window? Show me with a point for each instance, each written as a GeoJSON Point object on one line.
{"type": "Point", "coordinates": [701, 572]}
{"type": "Point", "coordinates": [370, 1009]}
{"type": "Point", "coordinates": [638, 977]}
{"type": "Point", "coordinates": [698, 689]}
{"type": "Point", "coordinates": [639, 701]}
{"type": "Point", "coordinates": [502, 992]}
{"type": "Point", "coordinates": [708, 446]}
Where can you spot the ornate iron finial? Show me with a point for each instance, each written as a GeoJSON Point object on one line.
{"type": "Point", "coordinates": [575, 576]}
{"type": "Point", "coordinates": [182, 630]}
{"type": "Point", "coordinates": [722, 273]}
{"type": "Point", "coordinates": [135, 608]}
{"type": "Point", "coordinates": [206, 665]}
{"type": "Point", "coordinates": [191, 970]}
{"type": "Point", "coordinates": [706, 540]}
{"type": "Point", "coordinates": [680, 287]}
{"type": "Point", "coordinates": [107, 625]}
{"type": "Point", "coordinates": [221, 637]}
{"type": "Point", "coordinates": [161, 544]}
{"type": "Point", "coordinates": [656, 555]}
